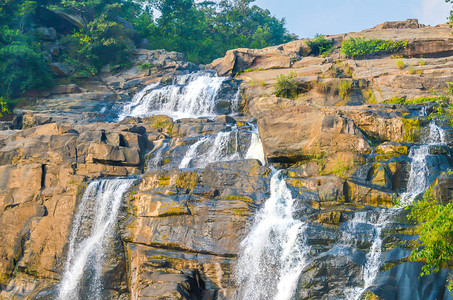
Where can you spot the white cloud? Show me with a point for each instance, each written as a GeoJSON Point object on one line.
{"type": "Point", "coordinates": [433, 12]}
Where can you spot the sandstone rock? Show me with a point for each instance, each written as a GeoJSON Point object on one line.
{"type": "Point", "coordinates": [66, 89]}
{"type": "Point", "coordinates": [409, 23]}
{"type": "Point", "coordinates": [238, 60]}
{"type": "Point", "coordinates": [290, 131]}
{"type": "Point", "coordinates": [364, 195]}
{"type": "Point", "coordinates": [332, 217]}
{"type": "Point", "coordinates": [46, 34]}
{"type": "Point", "coordinates": [60, 69]}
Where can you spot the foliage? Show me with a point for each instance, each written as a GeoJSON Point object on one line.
{"type": "Point", "coordinates": [3, 107]}
{"type": "Point", "coordinates": [286, 86]}
{"type": "Point", "coordinates": [422, 62]}
{"type": "Point", "coordinates": [358, 47]}
{"type": "Point", "coordinates": [206, 30]}
{"type": "Point", "coordinates": [22, 69]}
{"type": "Point", "coordinates": [436, 233]}
{"type": "Point", "coordinates": [111, 30]}
{"type": "Point", "coordinates": [345, 88]}
{"type": "Point", "coordinates": [145, 66]}
{"type": "Point", "coordinates": [405, 101]}
{"type": "Point", "coordinates": [320, 46]}
{"type": "Point", "coordinates": [400, 64]}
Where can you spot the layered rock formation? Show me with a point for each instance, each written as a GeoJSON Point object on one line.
{"type": "Point", "coordinates": [346, 159]}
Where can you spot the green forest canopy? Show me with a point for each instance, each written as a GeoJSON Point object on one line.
{"type": "Point", "coordinates": [101, 32]}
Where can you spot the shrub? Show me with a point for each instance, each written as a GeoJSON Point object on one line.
{"type": "Point", "coordinates": [369, 96]}
{"type": "Point", "coordinates": [319, 45]}
{"type": "Point", "coordinates": [421, 62]}
{"type": "Point", "coordinates": [419, 71]}
{"type": "Point", "coordinates": [3, 107]}
{"type": "Point", "coordinates": [400, 64]}
{"type": "Point", "coordinates": [357, 47]}
{"type": "Point", "coordinates": [145, 66]}
{"type": "Point", "coordinates": [405, 101]}
{"type": "Point", "coordinates": [436, 227]}
{"type": "Point", "coordinates": [345, 88]}
{"type": "Point", "coordinates": [286, 86]}
{"type": "Point", "coordinates": [21, 69]}
{"type": "Point", "coordinates": [411, 71]}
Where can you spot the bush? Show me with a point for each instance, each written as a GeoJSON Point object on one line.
{"type": "Point", "coordinates": [21, 69]}
{"type": "Point", "coordinates": [345, 88]}
{"type": "Point", "coordinates": [405, 101]}
{"type": "Point", "coordinates": [436, 227]}
{"type": "Point", "coordinates": [411, 71]}
{"type": "Point", "coordinates": [320, 46]}
{"type": "Point", "coordinates": [3, 107]}
{"type": "Point", "coordinates": [286, 86]}
{"type": "Point", "coordinates": [357, 47]}
{"type": "Point", "coordinates": [422, 62]}
{"type": "Point", "coordinates": [400, 64]}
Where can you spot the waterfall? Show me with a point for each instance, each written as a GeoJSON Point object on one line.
{"type": "Point", "coordinates": [191, 153]}
{"type": "Point", "coordinates": [256, 150]}
{"type": "Point", "coordinates": [417, 184]}
{"type": "Point", "coordinates": [92, 232]}
{"type": "Point", "coordinates": [274, 253]}
{"type": "Point", "coordinates": [191, 95]}
{"type": "Point", "coordinates": [156, 160]}
{"type": "Point", "coordinates": [222, 146]}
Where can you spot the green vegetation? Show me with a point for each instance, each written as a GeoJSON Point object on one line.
{"type": "Point", "coordinates": [98, 33]}
{"type": "Point", "coordinates": [369, 96]}
{"type": "Point", "coordinates": [286, 86]}
{"type": "Point", "coordinates": [405, 101]}
{"type": "Point", "coordinates": [320, 46]}
{"type": "Point", "coordinates": [443, 111]}
{"type": "Point", "coordinates": [436, 233]}
{"type": "Point", "coordinates": [400, 64]}
{"type": "Point", "coordinates": [422, 62]}
{"type": "Point", "coordinates": [358, 47]}
{"type": "Point", "coordinates": [345, 88]}
{"type": "Point", "coordinates": [3, 107]}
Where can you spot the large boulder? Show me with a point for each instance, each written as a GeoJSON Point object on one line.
{"type": "Point", "coordinates": [291, 131]}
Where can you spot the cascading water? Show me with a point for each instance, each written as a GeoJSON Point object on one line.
{"type": "Point", "coordinates": [191, 95]}
{"type": "Point", "coordinates": [221, 146]}
{"type": "Point", "coordinates": [92, 231]}
{"type": "Point", "coordinates": [274, 253]}
{"type": "Point", "coordinates": [417, 184]}
{"type": "Point", "coordinates": [256, 150]}
{"type": "Point", "coordinates": [156, 159]}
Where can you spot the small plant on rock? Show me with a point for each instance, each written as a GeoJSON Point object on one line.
{"type": "Point", "coordinates": [345, 88]}
{"type": "Point", "coordinates": [320, 46]}
{"type": "Point", "coordinates": [286, 86]}
{"type": "Point", "coordinates": [400, 64]}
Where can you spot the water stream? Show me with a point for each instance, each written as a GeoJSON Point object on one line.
{"type": "Point", "coordinates": [92, 232]}
{"type": "Point", "coordinates": [274, 253]}
{"type": "Point", "coordinates": [188, 96]}
{"type": "Point", "coordinates": [417, 184]}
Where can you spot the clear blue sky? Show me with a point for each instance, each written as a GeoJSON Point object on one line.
{"type": "Point", "coordinates": [308, 17]}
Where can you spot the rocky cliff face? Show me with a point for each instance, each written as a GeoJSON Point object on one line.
{"type": "Point", "coordinates": [200, 181]}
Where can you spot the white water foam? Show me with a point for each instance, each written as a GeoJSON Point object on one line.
{"type": "Point", "coordinates": [274, 253]}
{"type": "Point", "coordinates": [92, 231]}
{"type": "Point", "coordinates": [256, 150]}
{"type": "Point", "coordinates": [189, 96]}
{"type": "Point", "coordinates": [155, 159]}
{"type": "Point", "coordinates": [222, 146]}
